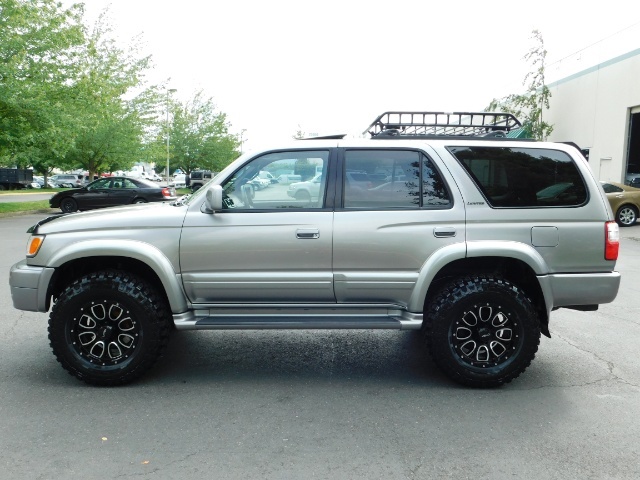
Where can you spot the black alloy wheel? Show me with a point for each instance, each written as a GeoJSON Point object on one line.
{"type": "Point", "coordinates": [108, 328]}
{"type": "Point", "coordinates": [482, 331]}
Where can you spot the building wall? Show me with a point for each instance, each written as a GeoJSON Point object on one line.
{"type": "Point", "coordinates": [592, 108]}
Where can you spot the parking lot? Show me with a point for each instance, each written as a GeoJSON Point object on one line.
{"type": "Point", "coordinates": [326, 404]}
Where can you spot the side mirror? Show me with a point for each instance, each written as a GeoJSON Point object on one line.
{"type": "Point", "coordinates": [213, 198]}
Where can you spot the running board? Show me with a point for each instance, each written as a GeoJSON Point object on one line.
{"type": "Point", "coordinates": [264, 320]}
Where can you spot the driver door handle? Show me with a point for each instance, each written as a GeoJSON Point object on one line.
{"type": "Point", "coordinates": [308, 233]}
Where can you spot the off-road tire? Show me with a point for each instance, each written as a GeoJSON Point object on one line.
{"type": "Point", "coordinates": [482, 331]}
{"type": "Point", "coordinates": [109, 327]}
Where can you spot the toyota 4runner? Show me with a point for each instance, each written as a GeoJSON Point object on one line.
{"type": "Point", "coordinates": [458, 231]}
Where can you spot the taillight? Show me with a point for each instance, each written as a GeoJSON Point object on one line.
{"type": "Point", "coordinates": [611, 240]}
{"type": "Point", "coordinates": [166, 192]}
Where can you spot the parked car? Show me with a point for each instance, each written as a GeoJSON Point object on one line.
{"type": "Point", "coordinates": [66, 180]}
{"type": "Point", "coordinates": [625, 202]}
{"type": "Point", "coordinates": [86, 179]}
{"type": "Point", "coordinates": [634, 182]}
{"type": "Point", "coordinates": [40, 181]}
{"type": "Point", "coordinates": [306, 192]}
{"type": "Point", "coordinates": [109, 192]}
{"type": "Point", "coordinates": [633, 173]}
{"type": "Point", "coordinates": [259, 183]}
{"type": "Point", "coordinates": [267, 175]}
{"type": "Point", "coordinates": [179, 180]}
{"type": "Point", "coordinates": [199, 177]}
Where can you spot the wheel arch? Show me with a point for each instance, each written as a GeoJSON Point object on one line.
{"type": "Point", "coordinates": [521, 265]}
{"type": "Point", "coordinates": [139, 258]}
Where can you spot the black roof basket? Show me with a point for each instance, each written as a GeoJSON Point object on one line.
{"type": "Point", "coordinates": [437, 124]}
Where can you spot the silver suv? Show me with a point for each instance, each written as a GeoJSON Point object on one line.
{"type": "Point", "coordinates": [459, 231]}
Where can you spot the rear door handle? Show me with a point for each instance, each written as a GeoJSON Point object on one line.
{"type": "Point", "coordinates": [307, 233]}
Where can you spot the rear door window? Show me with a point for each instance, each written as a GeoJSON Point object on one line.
{"type": "Point", "coordinates": [523, 177]}
{"type": "Point", "coordinates": [392, 179]}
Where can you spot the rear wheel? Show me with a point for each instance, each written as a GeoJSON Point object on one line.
{"type": "Point", "coordinates": [139, 200]}
{"type": "Point", "coordinates": [482, 331]}
{"type": "Point", "coordinates": [626, 216]}
{"type": "Point", "coordinates": [108, 328]}
{"type": "Point", "coordinates": [68, 205]}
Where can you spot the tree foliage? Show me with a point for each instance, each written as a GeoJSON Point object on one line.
{"type": "Point", "coordinates": [71, 97]}
{"type": "Point", "coordinates": [39, 43]}
{"type": "Point", "coordinates": [529, 106]}
{"type": "Point", "coordinates": [199, 136]}
{"type": "Point", "coordinates": [112, 104]}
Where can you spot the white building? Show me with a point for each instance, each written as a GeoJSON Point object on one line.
{"type": "Point", "coordinates": [599, 109]}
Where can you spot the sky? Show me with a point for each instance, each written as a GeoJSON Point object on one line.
{"type": "Point", "coordinates": [275, 67]}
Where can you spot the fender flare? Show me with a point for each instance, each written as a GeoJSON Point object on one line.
{"type": "Point", "coordinates": [505, 249]}
{"type": "Point", "coordinates": [142, 251]}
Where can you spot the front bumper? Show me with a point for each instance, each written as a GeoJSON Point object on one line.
{"type": "Point", "coordinates": [29, 286]}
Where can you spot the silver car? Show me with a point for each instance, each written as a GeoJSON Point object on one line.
{"type": "Point", "coordinates": [467, 235]}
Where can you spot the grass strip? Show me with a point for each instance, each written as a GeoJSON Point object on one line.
{"type": "Point", "coordinates": [19, 207]}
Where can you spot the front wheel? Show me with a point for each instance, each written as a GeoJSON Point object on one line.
{"type": "Point", "coordinates": [108, 328]}
{"type": "Point", "coordinates": [626, 216]}
{"type": "Point", "coordinates": [68, 205]}
{"type": "Point", "coordinates": [481, 331]}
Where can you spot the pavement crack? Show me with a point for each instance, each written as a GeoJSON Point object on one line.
{"type": "Point", "coordinates": [610, 365]}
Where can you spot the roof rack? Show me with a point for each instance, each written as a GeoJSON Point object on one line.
{"type": "Point", "coordinates": [437, 124]}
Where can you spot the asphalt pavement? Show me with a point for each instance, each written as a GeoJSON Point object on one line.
{"type": "Point", "coordinates": [325, 404]}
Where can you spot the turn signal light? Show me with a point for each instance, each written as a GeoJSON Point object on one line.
{"type": "Point", "coordinates": [611, 241]}
{"type": "Point", "coordinates": [35, 242]}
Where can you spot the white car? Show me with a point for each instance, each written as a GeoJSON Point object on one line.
{"type": "Point", "coordinates": [267, 176]}
{"type": "Point", "coordinates": [179, 180]}
{"type": "Point", "coordinates": [307, 191]}
{"type": "Point", "coordinates": [259, 182]}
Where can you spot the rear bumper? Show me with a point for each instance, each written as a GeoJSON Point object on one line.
{"type": "Point", "coordinates": [570, 290]}
{"type": "Point", "coordinates": [29, 286]}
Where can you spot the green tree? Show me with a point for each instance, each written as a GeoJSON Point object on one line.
{"type": "Point", "coordinates": [113, 106]}
{"type": "Point", "coordinates": [529, 106]}
{"type": "Point", "coordinates": [39, 44]}
{"type": "Point", "coordinates": [199, 136]}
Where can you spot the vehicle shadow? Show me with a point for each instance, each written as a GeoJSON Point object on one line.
{"type": "Point", "coordinates": [329, 355]}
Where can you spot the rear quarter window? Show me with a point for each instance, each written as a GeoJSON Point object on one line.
{"type": "Point", "coordinates": [523, 177]}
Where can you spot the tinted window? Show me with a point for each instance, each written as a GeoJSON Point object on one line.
{"type": "Point", "coordinates": [608, 188]}
{"type": "Point", "coordinates": [103, 183]}
{"type": "Point", "coordinates": [523, 177]}
{"type": "Point", "coordinates": [392, 179]}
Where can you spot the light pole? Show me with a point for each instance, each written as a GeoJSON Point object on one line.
{"type": "Point", "coordinates": [169, 90]}
{"type": "Point", "coordinates": [242, 139]}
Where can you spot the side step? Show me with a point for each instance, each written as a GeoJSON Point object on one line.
{"type": "Point", "coordinates": [285, 318]}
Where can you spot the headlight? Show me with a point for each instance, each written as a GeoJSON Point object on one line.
{"type": "Point", "coordinates": [34, 244]}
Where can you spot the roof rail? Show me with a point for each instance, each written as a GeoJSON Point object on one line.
{"type": "Point", "coordinates": [436, 124]}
